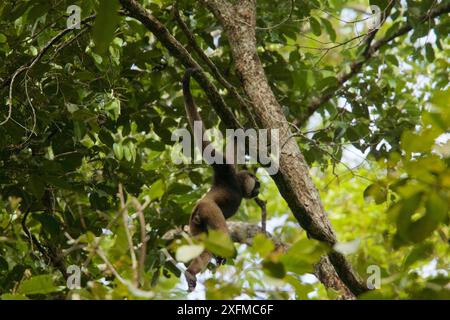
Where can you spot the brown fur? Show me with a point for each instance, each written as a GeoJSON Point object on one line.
{"type": "Point", "coordinates": [221, 201]}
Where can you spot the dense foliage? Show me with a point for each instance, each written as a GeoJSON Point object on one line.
{"type": "Point", "coordinates": [85, 150]}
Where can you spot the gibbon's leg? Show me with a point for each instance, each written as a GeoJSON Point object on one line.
{"type": "Point", "coordinates": [205, 216]}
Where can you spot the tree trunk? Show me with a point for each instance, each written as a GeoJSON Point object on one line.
{"type": "Point", "coordinates": [293, 179]}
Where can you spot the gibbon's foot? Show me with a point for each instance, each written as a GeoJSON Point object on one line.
{"type": "Point", "coordinates": [191, 281]}
{"type": "Point", "coordinates": [220, 261]}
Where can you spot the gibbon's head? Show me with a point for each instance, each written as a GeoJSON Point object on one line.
{"type": "Point", "coordinates": [249, 184]}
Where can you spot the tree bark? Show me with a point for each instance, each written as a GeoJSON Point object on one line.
{"type": "Point", "coordinates": [240, 232]}
{"type": "Point", "coordinates": [293, 179]}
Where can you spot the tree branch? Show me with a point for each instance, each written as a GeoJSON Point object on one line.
{"type": "Point", "coordinates": [293, 179]}
{"type": "Point", "coordinates": [212, 67]}
{"type": "Point", "coordinates": [326, 273]}
{"type": "Point", "coordinates": [371, 49]}
{"type": "Point", "coordinates": [176, 49]}
{"type": "Point", "coordinates": [373, 33]}
{"type": "Point", "coordinates": [143, 246]}
{"type": "Point", "coordinates": [10, 80]}
{"type": "Point", "coordinates": [262, 204]}
{"type": "Point", "coordinates": [240, 232]}
{"type": "Point", "coordinates": [244, 233]}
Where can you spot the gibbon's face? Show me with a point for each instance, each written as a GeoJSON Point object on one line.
{"type": "Point", "coordinates": [250, 184]}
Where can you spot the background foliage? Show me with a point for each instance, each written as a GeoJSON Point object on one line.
{"type": "Point", "coordinates": [97, 108]}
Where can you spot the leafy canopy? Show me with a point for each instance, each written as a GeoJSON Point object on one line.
{"type": "Point", "coordinates": [95, 110]}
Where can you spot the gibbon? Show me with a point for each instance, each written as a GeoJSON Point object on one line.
{"type": "Point", "coordinates": [222, 201]}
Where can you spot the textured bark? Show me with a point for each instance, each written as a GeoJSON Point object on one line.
{"type": "Point", "coordinates": [176, 49]}
{"type": "Point", "coordinates": [326, 273]}
{"type": "Point", "coordinates": [240, 232]}
{"type": "Point", "coordinates": [293, 180]}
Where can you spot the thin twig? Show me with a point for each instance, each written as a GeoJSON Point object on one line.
{"type": "Point", "coordinates": [98, 239]}
{"type": "Point", "coordinates": [214, 69]}
{"type": "Point", "coordinates": [30, 65]}
{"type": "Point", "coordinates": [132, 288]}
{"type": "Point", "coordinates": [262, 204]}
{"type": "Point", "coordinates": [356, 66]}
{"type": "Point", "coordinates": [282, 22]}
{"type": "Point", "coordinates": [134, 264]}
{"type": "Point", "coordinates": [54, 260]}
{"type": "Point", "coordinates": [143, 249]}
{"type": "Point", "coordinates": [68, 43]}
{"type": "Point", "coordinates": [135, 10]}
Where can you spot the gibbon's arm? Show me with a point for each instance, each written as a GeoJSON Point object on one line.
{"type": "Point", "coordinates": [193, 115]}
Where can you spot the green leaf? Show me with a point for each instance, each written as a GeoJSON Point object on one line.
{"type": "Point", "coordinates": [262, 245]}
{"type": "Point", "coordinates": [436, 212]}
{"type": "Point", "coordinates": [79, 130]}
{"type": "Point", "coordinates": [429, 52]}
{"type": "Point", "coordinates": [113, 109]}
{"type": "Point", "coordinates": [120, 245]}
{"type": "Point", "coordinates": [132, 151]}
{"type": "Point", "coordinates": [329, 28]}
{"type": "Point", "coordinates": [118, 151]}
{"type": "Point", "coordinates": [41, 284]}
{"type": "Point", "coordinates": [196, 177]}
{"type": "Point", "coordinates": [377, 192]}
{"type": "Point", "coordinates": [179, 188]}
{"type": "Point", "coordinates": [220, 244]}
{"type": "Point", "coordinates": [315, 26]}
{"type": "Point", "coordinates": [301, 290]}
{"type": "Point", "coordinates": [392, 59]}
{"type": "Point", "coordinates": [3, 264]}
{"type": "Point", "coordinates": [419, 252]}
{"type": "Point", "coordinates": [406, 208]}
{"type": "Point", "coordinates": [327, 82]}
{"type": "Point", "coordinates": [441, 98]}
{"type": "Point", "coordinates": [274, 268]}
{"type": "Point", "coordinates": [37, 186]}
{"type": "Point", "coordinates": [301, 257]}
{"type": "Point", "coordinates": [9, 296]}
{"type": "Point", "coordinates": [156, 189]}
{"type": "Point", "coordinates": [71, 161]}
{"type": "Point", "coordinates": [155, 145]}
{"type": "Point", "coordinates": [82, 115]}
{"type": "Point", "coordinates": [49, 223]}
{"type": "Point", "coordinates": [380, 3]}
{"type": "Point", "coordinates": [127, 153]}
{"type": "Point", "coordinates": [105, 137]}
{"type": "Point", "coordinates": [187, 253]}
{"type": "Point", "coordinates": [105, 25]}
{"type": "Point", "coordinates": [413, 142]}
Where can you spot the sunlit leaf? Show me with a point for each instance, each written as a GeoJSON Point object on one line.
{"type": "Point", "coordinates": [262, 245]}
{"type": "Point", "coordinates": [220, 244]}
{"type": "Point", "coordinates": [41, 284]}
{"type": "Point", "coordinates": [315, 26]}
{"type": "Point", "coordinates": [188, 252]}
